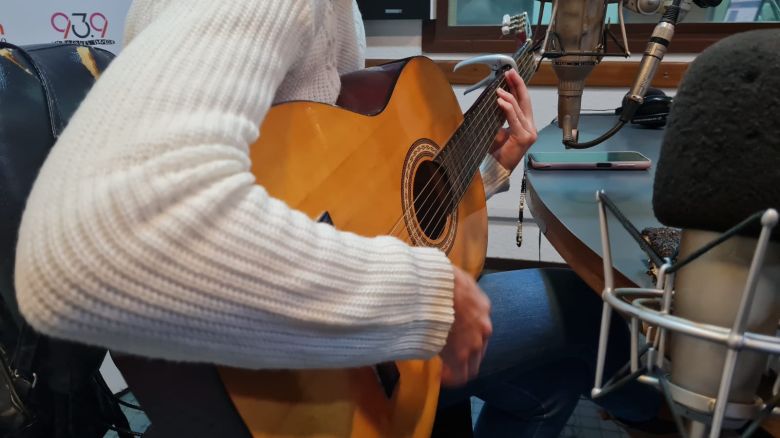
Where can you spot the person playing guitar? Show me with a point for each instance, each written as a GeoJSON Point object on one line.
{"type": "Point", "coordinates": [147, 233]}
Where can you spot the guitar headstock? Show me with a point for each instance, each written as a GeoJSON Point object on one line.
{"type": "Point", "coordinates": [520, 27]}
{"type": "Point", "coordinates": [517, 25]}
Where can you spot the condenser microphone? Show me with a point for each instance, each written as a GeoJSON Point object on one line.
{"type": "Point", "coordinates": [719, 164]}
{"type": "Point", "coordinates": [575, 42]}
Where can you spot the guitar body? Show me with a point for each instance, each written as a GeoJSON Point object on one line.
{"type": "Point", "coordinates": [367, 172]}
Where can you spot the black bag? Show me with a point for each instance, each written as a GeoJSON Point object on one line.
{"type": "Point", "coordinates": [48, 388]}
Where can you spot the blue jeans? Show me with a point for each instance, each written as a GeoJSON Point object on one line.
{"type": "Point", "coordinates": [542, 357]}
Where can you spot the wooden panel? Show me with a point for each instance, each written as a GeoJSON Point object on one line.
{"type": "Point", "coordinates": [606, 74]}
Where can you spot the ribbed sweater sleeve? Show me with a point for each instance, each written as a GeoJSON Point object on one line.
{"type": "Point", "coordinates": [146, 232]}
{"type": "Point", "coordinates": [495, 177]}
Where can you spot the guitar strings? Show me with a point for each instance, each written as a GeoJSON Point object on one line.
{"type": "Point", "coordinates": [476, 131]}
{"type": "Point", "coordinates": [527, 68]}
{"type": "Point", "coordinates": [462, 173]}
{"type": "Point", "coordinates": [479, 119]}
{"type": "Point", "coordinates": [482, 133]}
{"type": "Point", "coordinates": [481, 128]}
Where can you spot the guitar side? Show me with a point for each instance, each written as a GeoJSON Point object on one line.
{"type": "Point", "coordinates": [321, 158]}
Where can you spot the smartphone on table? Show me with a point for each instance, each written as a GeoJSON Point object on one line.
{"type": "Point", "coordinates": [616, 160]}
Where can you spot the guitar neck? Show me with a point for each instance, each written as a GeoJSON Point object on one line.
{"type": "Point", "coordinates": [471, 142]}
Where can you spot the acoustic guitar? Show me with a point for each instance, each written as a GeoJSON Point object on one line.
{"type": "Point", "coordinates": [396, 156]}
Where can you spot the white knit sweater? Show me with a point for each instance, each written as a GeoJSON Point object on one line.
{"type": "Point", "coordinates": [146, 233]}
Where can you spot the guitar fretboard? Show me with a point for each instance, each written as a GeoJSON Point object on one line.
{"type": "Point", "coordinates": [470, 143]}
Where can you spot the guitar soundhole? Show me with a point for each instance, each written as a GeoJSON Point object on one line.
{"type": "Point", "coordinates": [432, 199]}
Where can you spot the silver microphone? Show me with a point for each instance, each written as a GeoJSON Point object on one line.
{"type": "Point", "coordinates": [718, 165]}
{"type": "Point", "coordinates": [673, 12]}
{"type": "Point", "coordinates": [654, 54]}
{"type": "Point", "coordinates": [719, 301]}
{"type": "Point", "coordinates": [709, 291]}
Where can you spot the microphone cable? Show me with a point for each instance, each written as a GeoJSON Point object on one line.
{"type": "Point", "coordinates": [589, 144]}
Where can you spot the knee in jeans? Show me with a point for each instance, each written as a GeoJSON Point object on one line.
{"type": "Point", "coordinates": [556, 392]}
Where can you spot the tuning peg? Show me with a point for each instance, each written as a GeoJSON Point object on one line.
{"type": "Point", "coordinates": [512, 24]}
{"type": "Point", "coordinates": [505, 29]}
{"type": "Point", "coordinates": [510, 19]}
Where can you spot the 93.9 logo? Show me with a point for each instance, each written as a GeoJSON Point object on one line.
{"type": "Point", "coordinates": [81, 25]}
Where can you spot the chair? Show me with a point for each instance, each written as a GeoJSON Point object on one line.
{"type": "Point", "coordinates": [40, 88]}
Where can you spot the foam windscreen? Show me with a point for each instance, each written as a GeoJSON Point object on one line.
{"type": "Point", "coordinates": [720, 159]}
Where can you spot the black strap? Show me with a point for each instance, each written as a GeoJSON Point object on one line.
{"type": "Point", "coordinates": [728, 234]}
{"type": "Point", "coordinates": [632, 231]}
{"type": "Point", "coordinates": [28, 340]}
{"type": "Point", "coordinates": [520, 219]}
{"type": "Point", "coordinates": [55, 117]}
{"type": "Point", "coordinates": [24, 354]}
{"type": "Point", "coordinates": [656, 258]}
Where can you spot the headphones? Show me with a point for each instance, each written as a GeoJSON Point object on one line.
{"type": "Point", "coordinates": [653, 111]}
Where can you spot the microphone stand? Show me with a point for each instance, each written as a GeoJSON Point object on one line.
{"type": "Point", "coordinates": [706, 417]}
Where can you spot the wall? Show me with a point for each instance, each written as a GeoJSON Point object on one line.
{"type": "Point", "coordinates": [89, 22]}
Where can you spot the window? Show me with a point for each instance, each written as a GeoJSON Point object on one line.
{"type": "Point", "coordinates": [490, 12]}
{"type": "Point", "coordinates": [472, 25]}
